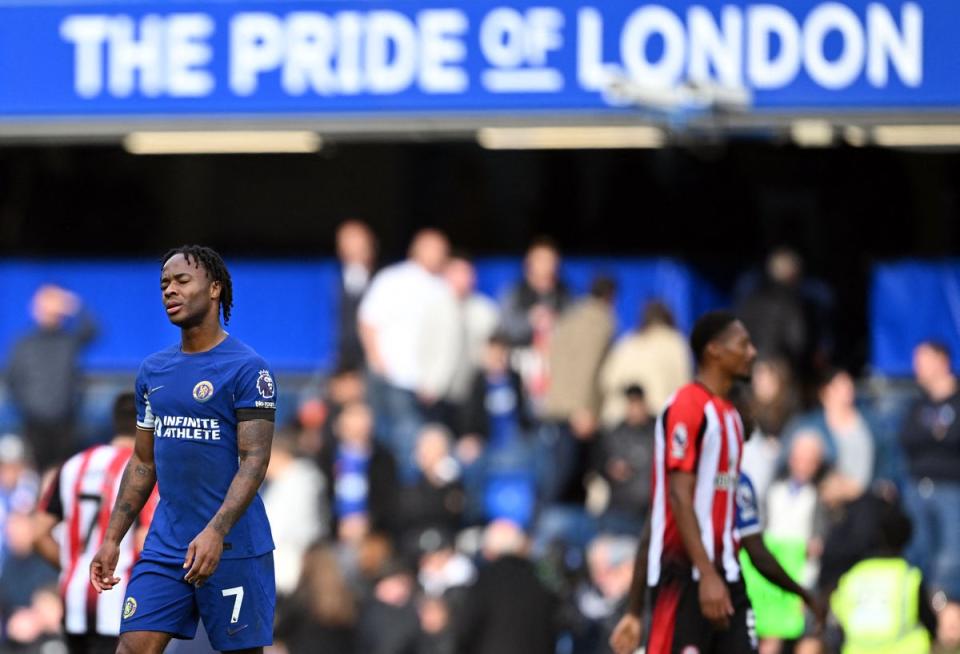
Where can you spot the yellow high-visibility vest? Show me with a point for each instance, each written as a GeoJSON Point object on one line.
{"type": "Point", "coordinates": [878, 605]}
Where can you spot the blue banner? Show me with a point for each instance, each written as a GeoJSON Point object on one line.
{"type": "Point", "coordinates": [329, 58]}
{"type": "Point", "coordinates": [910, 302]}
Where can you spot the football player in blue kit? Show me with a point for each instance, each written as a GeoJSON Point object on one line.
{"type": "Point", "coordinates": [205, 411]}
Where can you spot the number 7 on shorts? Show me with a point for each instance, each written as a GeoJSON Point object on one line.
{"type": "Point", "coordinates": [237, 602]}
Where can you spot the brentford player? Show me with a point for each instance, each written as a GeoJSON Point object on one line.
{"type": "Point", "coordinates": [72, 519]}
{"type": "Point", "coordinates": [700, 604]}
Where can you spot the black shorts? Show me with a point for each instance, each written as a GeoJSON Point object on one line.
{"type": "Point", "coordinates": [91, 644]}
{"type": "Point", "coordinates": [677, 625]}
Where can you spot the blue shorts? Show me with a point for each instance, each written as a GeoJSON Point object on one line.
{"type": "Point", "coordinates": [236, 603]}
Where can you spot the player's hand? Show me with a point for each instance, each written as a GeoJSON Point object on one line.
{"type": "Point", "coordinates": [715, 600]}
{"type": "Point", "coordinates": [203, 556]}
{"type": "Point", "coordinates": [626, 636]}
{"type": "Point", "coordinates": [819, 610]}
{"type": "Point", "coordinates": [103, 565]}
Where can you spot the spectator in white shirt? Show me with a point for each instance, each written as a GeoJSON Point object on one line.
{"type": "Point", "coordinates": [392, 319]}
{"type": "Point", "coordinates": [454, 339]}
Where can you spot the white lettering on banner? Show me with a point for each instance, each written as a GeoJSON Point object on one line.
{"type": "Point", "coordinates": [87, 33]}
{"type": "Point", "coordinates": [904, 50]}
{"type": "Point", "coordinates": [386, 30]}
{"type": "Point", "coordinates": [256, 45]}
{"type": "Point", "coordinates": [763, 46]}
{"type": "Point", "coordinates": [349, 30]}
{"type": "Point", "coordinates": [842, 71]}
{"type": "Point", "coordinates": [592, 73]}
{"type": "Point", "coordinates": [517, 47]}
{"type": "Point", "coordinates": [643, 24]}
{"type": "Point", "coordinates": [763, 23]}
{"type": "Point", "coordinates": [154, 56]}
{"type": "Point", "coordinates": [441, 48]}
{"type": "Point", "coordinates": [188, 52]}
{"type": "Point", "coordinates": [713, 48]}
{"type": "Point", "coordinates": [130, 55]}
{"type": "Point", "coordinates": [778, 46]}
{"type": "Point", "coordinates": [308, 64]}
{"type": "Point", "coordinates": [349, 53]}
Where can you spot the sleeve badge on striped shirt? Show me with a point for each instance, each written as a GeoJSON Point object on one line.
{"type": "Point", "coordinates": [679, 441]}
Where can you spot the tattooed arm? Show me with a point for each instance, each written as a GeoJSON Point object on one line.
{"type": "Point", "coordinates": [136, 485]}
{"type": "Point", "coordinates": [254, 438]}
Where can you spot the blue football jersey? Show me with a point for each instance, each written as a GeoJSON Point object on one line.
{"type": "Point", "coordinates": [748, 512]}
{"type": "Point", "coordinates": [191, 402]}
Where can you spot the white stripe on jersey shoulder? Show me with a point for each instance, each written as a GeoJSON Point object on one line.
{"type": "Point", "coordinates": [658, 514]}
{"type": "Point", "coordinates": [703, 494]}
{"type": "Point", "coordinates": [149, 421]}
{"type": "Point", "coordinates": [730, 564]}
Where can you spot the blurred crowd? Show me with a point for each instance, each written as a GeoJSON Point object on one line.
{"type": "Point", "coordinates": [474, 476]}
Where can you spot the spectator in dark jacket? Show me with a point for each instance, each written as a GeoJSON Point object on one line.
{"type": "Point", "coordinates": [436, 501]}
{"type": "Point", "coordinates": [361, 477]}
{"type": "Point", "coordinates": [624, 459]}
{"type": "Point", "coordinates": [508, 610]}
{"type": "Point", "coordinates": [496, 427]}
{"type": "Point", "coordinates": [930, 438]}
{"type": "Point", "coordinates": [357, 251]}
{"type": "Point", "coordinates": [497, 411]}
{"type": "Point", "coordinates": [321, 615]}
{"type": "Point", "coordinates": [44, 378]}
{"type": "Point", "coordinates": [599, 601]}
{"type": "Point", "coordinates": [540, 291]}
{"type": "Point", "coordinates": [854, 537]}
{"type": "Point", "coordinates": [389, 623]}
{"type": "Point", "coordinates": [788, 314]}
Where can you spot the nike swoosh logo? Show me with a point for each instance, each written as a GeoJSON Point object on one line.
{"type": "Point", "coordinates": [235, 630]}
{"type": "Point", "coordinates": [154, 390]}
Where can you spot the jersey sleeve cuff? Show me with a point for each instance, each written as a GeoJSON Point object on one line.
{"type": "Point", "coordinates": [256, 413]}
{"type": "Point", "coordinates": [750, 531]}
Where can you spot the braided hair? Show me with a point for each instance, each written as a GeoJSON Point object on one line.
{"type": "Point", "coordinates": [209, 260]}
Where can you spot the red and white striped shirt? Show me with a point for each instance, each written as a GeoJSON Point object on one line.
{"type": "Point", "coordinates": [700, 433]}
{"type": "Point", "coordinates": [82, 497]}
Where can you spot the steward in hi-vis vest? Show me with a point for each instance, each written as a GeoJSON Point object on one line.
{"type": "Point", "coordinates": [880, 602]}
{"type": "Point", "coordinates": [878, 605]}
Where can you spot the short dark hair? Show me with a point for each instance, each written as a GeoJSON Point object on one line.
{"type": "Point", "coordinates": [938, 346]}
{"type": "Point", "coordinates": [895, 527]}
{"type": "Point", "coordinates": [345, 370]}
{"type": "Point", "coordinates": [544, 242]}
{"type": "Point", "coordinates": [707, 328]}
{"type": "Point", "coordinates": [603, 288]}
{"type": "Point", "coordinates": [215, 267]}
{"type": "Point", "coordinates": [500, 338]}
{"type": "Point", "coordinates": [634, 391]}
{"type": "Point", "coordinates": [656, 312]}
{"type": "Point", "coordinates": [125, 414]}
{"type": "Point", "coordinates": [461, 254]}
{"type": "Point", "coordinates": [826, 376]}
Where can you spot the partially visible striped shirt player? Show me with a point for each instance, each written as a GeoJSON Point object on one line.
{"type": "Point", "coordinates": [73, 514]}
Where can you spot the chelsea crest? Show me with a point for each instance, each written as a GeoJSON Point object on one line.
{"type": "Point", "coordinates": [203, 391]}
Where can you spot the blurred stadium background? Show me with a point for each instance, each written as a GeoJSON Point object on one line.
{"type": "Point", "coordinates": [671, 146]}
